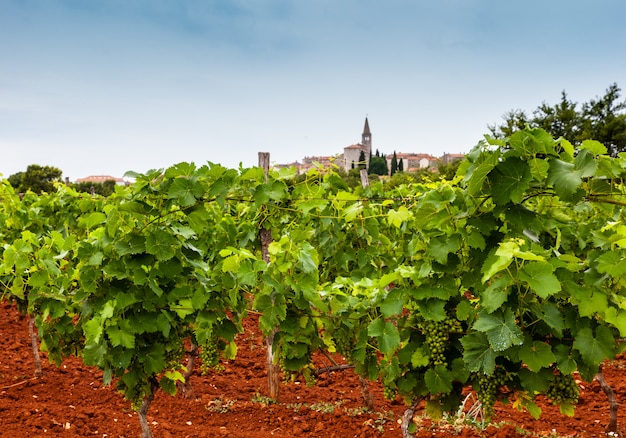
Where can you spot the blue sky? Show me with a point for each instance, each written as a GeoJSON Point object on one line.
{"type": "Point", "coordinates": [106, 86]}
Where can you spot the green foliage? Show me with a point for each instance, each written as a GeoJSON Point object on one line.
{"type": "Point", "coordinates": [378, 166]}
{"type": "Point", "coordinates": [362, 162]}
{"type": "Point", "coordinates": [36, 178]}
{"type": "Point", "coordinates": [503, 278]}
{"type": "Point", "coordinates": [105, 188]}
{"type": "Point", "coordinates": [602, 119]}
{"type": "Point", "coordinates": [394, 164]}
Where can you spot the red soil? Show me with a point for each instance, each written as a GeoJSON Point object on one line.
{"type": "Point", "coordinates": [70, 401]}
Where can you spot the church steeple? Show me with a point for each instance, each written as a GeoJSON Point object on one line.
{"type": "Point", "coordinates": [366, 139]}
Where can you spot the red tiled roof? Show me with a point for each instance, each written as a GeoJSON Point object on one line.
{"type": "Point", "coordinates": [99, 179]}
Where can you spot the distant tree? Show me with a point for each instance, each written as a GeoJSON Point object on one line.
{"type": "Point", "coordinates": [36, 178]}
{"type": "Point", "coordinates": [362, 162]}
{"type": "Point", "coordinates": [394, 164]}
{"type": "Point", "coordinates": [378, 165]}
{"type": "Point", "coordinates": [602, 119]}
{"type": "Point", "coordinates": [448, 171]}
{"type": "Point", "coordinates": [514, 120]}
{"type": "Point", "coordinates": [560, 120]}
{"type": "Point", "coordinates": [400, 165]}
{"type": "Point", "coordinates": [15, 180]}
{"type": "Point", "coordinates": [353, 178]}
{"type": "Point", "coordinates": [105, 188]}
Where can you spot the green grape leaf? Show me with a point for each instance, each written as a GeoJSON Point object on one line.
{"type": "Point", "coordinates": [420, 358]}
{"type": "Point", "coordinates": [530, 142]}
{"type": "Point", "coordinates": [478, 354]}
{"type": "Point", "coordinates": [595, 349]}
{"type": "Point", "coordinates": [500, 329]}
{"type": "Point", "coordinates": [439, 380]}
{"type": "Point", "coordinates": [565, 362]}
{"type": "Point", "coordinates": [312, 204]}
{"type": "Point", "coordinates": [536, 355]}
{"type": "Point", "coordinates": [432, 309]}
{"type": "Point", "coordinates": [510, 180]}
{"type": "Point", "coordinates": [612, 263]}
{"type": "Point", "coordinates": [307, 258]}
{"type": "Point", "coordinates": [566, 177]}
{"type": "Point", "coordinates": [594, 146]}
{"type": "Point", "coordinates": [94, 354]}
{"type": "Point", "coordinates": [495, 262]}
{"type": "Point", "coordinates": [567, 408]}
{"type": "Point", "coordinates": [539, 168]}
{"type": "Point", "coordinates": [406, 383]}
{"type": "Point", "coordinates": [272, 311]}
{"type": "Point", "coordinates": [168, 384]}
{"type": "Point", "coordinates": [540, 278]}
{"type": "Point", "coordinates": [154, 359]}
{"type": "Point", "coordinates": [231, 264]}
{"type": "Point", "coordinates": [617, 318]}
{"type": "Point", "coordinates": [552, 316]}
{"type": "Point", "coordinates": [392, 303]}
{"type": "Point", "coordinates": [477, 172]}
{"type": "Point", "coordinates": [121, 335]}
{"type": "Point", "coordinates": [92, 219]}
{"type": "Point", "coordinates": [495, 294]}
{"type": "Point", "coordinates": [439, 247]}
{"type": "Point", "coordinates": [399, 216]}
{"type": "Point", "coordinates": [183, 307]}
{"type": "Point", "coordinates": [161, 244]}
{"type": "Point", "coordinates": [93, 330]}
{"type": "Point", "coordinates": [434, 410]}
{"type": "Point", "coordinates": [523, 401]}
{"type": "Point", "coordinates": [185, 191]}
{"type": "Point", "coordinates": [535, 381]}
{"type": "Point", "coordinates": [182, 169]}
{"type": "Point", "coordinates": [386, 333]}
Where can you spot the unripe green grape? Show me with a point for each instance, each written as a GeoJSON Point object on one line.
{"type": "Point", "coordinates": [563, 389]}
{"type": "Point", "coordinates": [487, 387]}
{"type": "Point", "coordinates": [209, 355]}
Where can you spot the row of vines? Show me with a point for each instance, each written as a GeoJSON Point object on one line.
{"type": "Point", "coordinates": [508, 279]}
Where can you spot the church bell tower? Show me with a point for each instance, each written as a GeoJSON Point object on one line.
{"type": "Point", "coordinates": [366, 139]}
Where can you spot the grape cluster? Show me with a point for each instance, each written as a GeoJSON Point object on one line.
{"type": "Point", "coordinates": [563, 389]}
{"type": "Point", "coordinates": [437, 335]}
{"type": "Point", "coordinates": [176, 355]}
{"type": "Point", "coordinates": [487, 387]}
{"type": "Point", "coordinates": [345, 344]}
{"type": "Point", "coordinates": [290, 376]}
{"type": "Point", "coordinates": [210, 356]}
{"type": "Point", "coordinates": [389, 393]}
{"type": "Point", "coordinates": [308, 372]}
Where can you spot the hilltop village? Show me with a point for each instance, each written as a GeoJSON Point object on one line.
{"type": "Point", "coordinates": [354, 154]}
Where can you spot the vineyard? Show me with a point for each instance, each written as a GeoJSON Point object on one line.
{"type": "Point", "coordinates": [506, 283]}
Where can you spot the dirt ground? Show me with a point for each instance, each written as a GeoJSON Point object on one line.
{"type": "Point", "coordinates": [70, 401]}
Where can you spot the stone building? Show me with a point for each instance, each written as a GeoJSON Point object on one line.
{"type": "Point", "coordinates": [352, 153]}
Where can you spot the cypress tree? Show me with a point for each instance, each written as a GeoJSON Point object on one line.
{"type": "Point", "coordinates": [362, 162]}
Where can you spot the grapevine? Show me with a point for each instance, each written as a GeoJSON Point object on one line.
{"type": "Point", "coordinates": [490, 279]}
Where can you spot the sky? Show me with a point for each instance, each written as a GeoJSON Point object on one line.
{"type": "Point", "coordinates": [102, 87]}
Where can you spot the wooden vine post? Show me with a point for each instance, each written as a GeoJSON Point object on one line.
{"type": "Point", "coordinates": [35, 345]}
{"type": "Point", "coordinates": [368, 398]}
{"type": "Point", "coordinates": [265, 236]}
